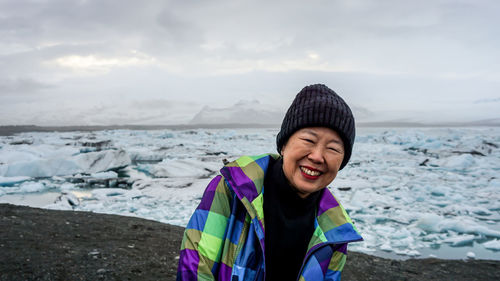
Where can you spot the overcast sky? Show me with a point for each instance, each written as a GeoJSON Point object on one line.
{"type": "Point", "coordinates": [101, 62]}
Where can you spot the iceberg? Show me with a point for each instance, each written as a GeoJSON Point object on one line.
{"type": "Point", "coordinates": [7, 181]}
{"type": "Point", "coordinates": [91, 162]}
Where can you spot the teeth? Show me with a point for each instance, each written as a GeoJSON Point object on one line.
{"type": "Point", "coordinates": [310, 172]}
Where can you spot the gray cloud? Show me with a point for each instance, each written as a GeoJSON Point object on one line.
{"type": "Point", "coordinates": [22, 86]}
{"type": "Point", "coordinates": [384, 56]}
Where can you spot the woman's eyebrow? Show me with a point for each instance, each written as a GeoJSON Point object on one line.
{"type": "Point", "coordinates": [336, 141]}
{"type": "Point", "coordinates": [311, 132]}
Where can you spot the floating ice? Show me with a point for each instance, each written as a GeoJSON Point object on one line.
{"type": "Point", "coordinates": [91, 162]}
{"type": "Point", "coordinates": [408, 252]}
{"type": "Point", "coordinates": [104, 175]}
{"type": "Point", "coordinates": [5, 181]}
{"type": "Point", "coordinates": [459, 162]}
{"type": "Point", "coordinates": [460, 240]}
{"type": "Point", "coordinates": [386, 247]}
{"type": "Point", "coordinates": [181, 168]}
{"type": "Point", "coordinates": [26, 187]}
{"type": "Point", "coordinates": [406, 189]}
{"type": "Point", "coordinates": [436, 223]}
{"type": "Point", "coordinates": [492, 245]}
{"type": "Point", "coordinates": [94, 162]}
{"type": "Point", "coordinates": [67, 186]}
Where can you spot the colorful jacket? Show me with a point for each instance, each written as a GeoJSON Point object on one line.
{"type": "Point", "coordinates": [224, 239]}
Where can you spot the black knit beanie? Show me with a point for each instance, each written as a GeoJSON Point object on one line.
{"type": "Point", "coordinates": [319, 106]}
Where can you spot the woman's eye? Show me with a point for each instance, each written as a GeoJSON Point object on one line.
{"type": "Point", "coordinates": [334, 149]}
{"type": "Point", "coordinates": [309, 140]}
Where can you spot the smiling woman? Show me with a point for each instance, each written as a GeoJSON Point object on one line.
{"type": "Point", "coordinates": [271, 217]}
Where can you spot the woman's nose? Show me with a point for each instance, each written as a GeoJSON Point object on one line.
{"type": "Point", "coordinates": [316, 154]}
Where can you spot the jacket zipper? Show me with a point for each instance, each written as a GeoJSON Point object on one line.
{"type": "Point", "coordinates": [317, 247]}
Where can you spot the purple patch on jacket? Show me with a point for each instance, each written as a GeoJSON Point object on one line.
{"type": "Point", "coordinates": [327, 202]}
{"type": "Point", "coordinates": [189, 265]}
{"type": "Point", "coordinates": [236, 177]}
{"type": "Point", "coordinates": [225, 272]}
{"type": "Point", "coordinates": [208, 196]}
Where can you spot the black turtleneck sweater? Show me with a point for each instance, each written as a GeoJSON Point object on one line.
{"type": "Point", "coordinates": [289, 224]}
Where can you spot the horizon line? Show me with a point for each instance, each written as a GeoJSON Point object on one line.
{"type": "Point", "coordinates": [6, 130]}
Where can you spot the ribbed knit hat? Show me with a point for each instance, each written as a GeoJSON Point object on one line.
{"type": "Point", "coordinates": [319, 106]}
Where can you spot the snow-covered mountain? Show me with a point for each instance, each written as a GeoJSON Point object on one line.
{"type": "Point", "coordinates": [242, 112]}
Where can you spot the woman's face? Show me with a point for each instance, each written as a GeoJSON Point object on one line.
{"type": "Point", "coordinates": [311, 159]}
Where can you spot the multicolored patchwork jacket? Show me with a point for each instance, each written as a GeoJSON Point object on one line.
{"type": "Point", "coordinates": [224, 239]}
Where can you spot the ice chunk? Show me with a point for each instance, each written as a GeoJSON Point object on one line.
{"type": "Point", "coordinates": [386, 247]}
{"type": "Point", "coordinates": [492, 245]}
{"type": "Point", "coordinates": [407, 252]}
{"type": "Point", "coordinates": [435, 223]}
{"type": "Point", "coordinates": [6, 181]}
{"type": "Point", "coordinates": [180, 168]}
{"type": "Point", "coordinates": [367, 198]}
{"type": "Point", "coordinates": [401, 234]}
{"type": "Point", "coordinates": [104, 175]}
{"type": "Point", "coordinates": [43, 168]}
{"type": "Point", "coordinates": [459, 162]}
{"type": "Point", "coordinates": [91, 162]}
{"type": "Point", "coordinates": [67, 186]}
{"type": "Point", "coordinates": [438, 190]}
{"type": "Point", "coordinates": [31, 186]}
{"type": "Point", "coordinates": [102, 193]}
{"type": "Point", "coordinates": [94, 162]}
{"type": "Point", "coordinates": [471, 255]}
{"type": "Point", "coordinates": [461, 240]}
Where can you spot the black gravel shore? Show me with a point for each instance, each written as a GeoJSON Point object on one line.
{"type": "Point", "coordinates": [39, 244]}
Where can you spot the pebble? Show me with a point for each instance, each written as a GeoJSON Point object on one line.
{"type": "Point", "coordinates": [101, 271]}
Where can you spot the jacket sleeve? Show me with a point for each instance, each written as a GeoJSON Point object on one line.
{"type": "Point", "coordinates": [204, 236]}
{"type": "Point", "coordinates": [337, 263]}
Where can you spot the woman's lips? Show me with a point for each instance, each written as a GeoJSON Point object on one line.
{"type": "Point", "coordinates": [309, 172]}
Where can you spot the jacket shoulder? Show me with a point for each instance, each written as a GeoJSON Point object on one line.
{"type": "Point", "coordinates": [246, 160]}
{"type": "Point", "coordinates": [335, 223]}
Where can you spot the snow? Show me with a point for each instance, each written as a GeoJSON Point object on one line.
{"type": "Point", "coordinates": [406, 189]}
{"type": "Point", "coordinates": [239, 113]}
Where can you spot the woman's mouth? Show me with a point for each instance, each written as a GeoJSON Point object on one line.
{"type": "Point", "coordinates": [310, 173]}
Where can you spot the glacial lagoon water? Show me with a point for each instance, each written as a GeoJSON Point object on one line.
{"type": "Point", "coordinates": [412, 192]}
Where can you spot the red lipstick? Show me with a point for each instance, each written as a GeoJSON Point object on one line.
{"type": "Point", "coordinates": [309, 176]}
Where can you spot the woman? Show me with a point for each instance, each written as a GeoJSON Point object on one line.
{"type": "Point", "coordinates": [270, 217]}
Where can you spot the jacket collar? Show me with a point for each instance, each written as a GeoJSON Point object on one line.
{"type": "Point", "coordinates": [245, 176]}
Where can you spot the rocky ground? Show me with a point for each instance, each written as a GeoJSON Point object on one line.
{"type": "Point", "coordinates": [39, 244]}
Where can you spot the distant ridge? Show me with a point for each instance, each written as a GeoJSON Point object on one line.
{"type": "Point", "coordinates": [397, 124]}
{"type": "Point", "coordinates": [14, 129]}
{"type": "Point", "coordinates": [242, 112]}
